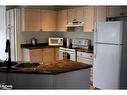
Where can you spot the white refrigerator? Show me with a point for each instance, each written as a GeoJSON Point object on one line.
{"type": "Point", "coordinates": [110, 55]}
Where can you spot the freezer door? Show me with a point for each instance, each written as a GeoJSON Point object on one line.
{"type": "Point", "coordinates": [106, 67]}
{"type": "Point", "coordinates": [109, 32]}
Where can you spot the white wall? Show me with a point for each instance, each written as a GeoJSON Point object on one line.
{"type": "Point", "coordinates": [2, 33]}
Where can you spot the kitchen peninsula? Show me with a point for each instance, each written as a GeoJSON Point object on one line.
{"type": "Point", "coordinates": [56, 75]}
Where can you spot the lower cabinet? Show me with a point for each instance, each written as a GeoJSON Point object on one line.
{"type": "Point", "coordinates": [44, 55]}
{"type": "Point", "coordinates": [73, 80]}
{"type": "Point", "coordinates": [3, 78]}
{"type": "Point", "coordinates": [48, 55]}
{"type": "Point", "coordinates": [78, 79]}
{"type": "Point", "coordinates": [31, 81]}
{"type": "Point", "coordinates": [35, 55]}
{"type": "Point", "coordinates": [56, 54]}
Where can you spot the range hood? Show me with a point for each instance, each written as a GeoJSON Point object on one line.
{"type": "Point", "coordinates": [75, 23]}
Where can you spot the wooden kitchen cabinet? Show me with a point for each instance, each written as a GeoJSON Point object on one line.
{"type": "Point", "coordinates": [38, 20]}
{"type": "Point", "coordinates": [89, 18]}
{"type": "Point", "coordinates": [71, 14]}
{"type": "Point", "coordinates": [76, 13]}
{"type": "Point", "coordinates": [113, 11]}
{"type": "Point", "coordinates": [44, 55]}
{"type": "Point", "coordinates": [31, 19]}
{"type": "Point", "coordinates": [36, 55]}
{"type": "Point", "coordinates": [33, 55]}
{"type": "Point", "coordinates": [61, 21]}
{"type": "Point", "coordinates": [100, 13]}
{"type": "Point", "coordinates": [80, 14]}
{"type": "Point", "coordinates": [48, 20]}
{"type": "Point", "coordinates": [124, 11]}
{"type": "Point", "coordinates": [48, 55]}
{"type": "Point", "coordinates": [56, 53]}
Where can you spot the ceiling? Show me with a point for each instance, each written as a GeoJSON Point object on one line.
{"type": "Point", "coordinates": [46, 7]}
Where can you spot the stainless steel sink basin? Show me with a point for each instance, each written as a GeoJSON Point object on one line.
{"type": "Point", "coordinates": [27, 65]}
{"type": "Point", "coordinates": [22, 66]}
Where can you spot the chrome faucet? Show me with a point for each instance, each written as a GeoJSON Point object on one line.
{"type": "Point", "coordinates": [8, 50]}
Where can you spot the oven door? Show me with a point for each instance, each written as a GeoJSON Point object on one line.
{"type": "Point", "coordinates": [67, 55]}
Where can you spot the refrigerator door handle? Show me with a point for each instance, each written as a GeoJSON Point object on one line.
{"type": "Point", "coordinates": [95, 40]}
{"type": "Point", "coordinates": [95, 33]}
{"type": "Point", "coordinates": [95, 50]}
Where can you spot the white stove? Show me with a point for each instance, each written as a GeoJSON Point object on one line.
{"type": "Point", "coordinates": [67, 54]}
{"type": "Point", "coordinates": [81, 43]}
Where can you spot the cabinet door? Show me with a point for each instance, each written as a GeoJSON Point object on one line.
{"type": "Point", "coordinates": [125, 10]}
{"type": "Point", "coordinates": [48, 55]}
{"type": "Point", "coordinates": [80, 14]}
{"type": "Point", "coordinates": [76, 13]}
{"type": "Point", "coordinates": [114, 11]}
{"type": "Point", "coordinates": [89, 19]}
{"type": "Point", "coordinates": [31, 19]}
{"type": "Point", "coordinates": [3, 78]}
{"type": "Point", "coordinates": [71, 14]}
{"type": "Point", "coordinates": [61, 20]}
{"type": "Point", "coordinates": [31, 81]}
{"type": "Point", "coordinates": [36, 55]}
{"type": "Point", "coordinates": [56, 53]}
{"type": "Point", "coordinates": [100, 13]}
{"type": "Point", "coordinates": [48, 20]}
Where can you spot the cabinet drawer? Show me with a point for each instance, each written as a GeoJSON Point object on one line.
{"type": "Point", "coordinates": [84, 60]}
{"type": "Point", "coordinates": [84, 54]}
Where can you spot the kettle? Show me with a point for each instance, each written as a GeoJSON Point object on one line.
{"type": "Point", "coordinates": [34, 41]}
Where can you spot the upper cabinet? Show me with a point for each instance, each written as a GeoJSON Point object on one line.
{"type": "Point", "coordinates": [89, 19]}
{"type": "Point", "coordinates": [100, 13]}
{"type": "Point", "coordinates": [75, 14]}
{"type": "Point", "coordinates": [113, 11]}
{"type": "Point", "coordinates": [38, 20]}
{"type": "Point", "coordinates": [48, 20]}
{"type": "Point", "coordinates": [85, 15]}
{"type": "Point", "coordinates": [61, 21]}
{"type": "Point", "coordinates": [31, 19]}
{"type": "Point", "coordinates": [125, 10]}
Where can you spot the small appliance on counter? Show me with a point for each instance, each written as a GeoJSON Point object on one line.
{"type": "Point", "coordinates": [55, 41]}
{"type": "Point", "coordinates": [68, 42]}
{"type": "Point", "coordinates": [34, 41]}
{"type": "Point", "coordinates": [81, 43]}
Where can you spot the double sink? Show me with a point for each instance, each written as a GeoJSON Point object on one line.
{"type": "Point", "coordinates": [19, 65]}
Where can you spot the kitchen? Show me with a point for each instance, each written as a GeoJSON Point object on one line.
{"type": "Point", "coordinates": [70, 23]}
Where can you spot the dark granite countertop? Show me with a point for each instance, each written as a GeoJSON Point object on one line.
{"type": "Point", "coordinates": [38, 46]}
{"type": "Point", "coordinates": [45, 45]}
{"type": "Point", "coordinates": [57, 67]}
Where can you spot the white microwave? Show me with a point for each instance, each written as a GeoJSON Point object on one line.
{"type": "Point", "coordinates": [55, 41]}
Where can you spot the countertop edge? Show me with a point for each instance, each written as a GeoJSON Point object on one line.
{"type": "Point", "coordinates": [36, 72]}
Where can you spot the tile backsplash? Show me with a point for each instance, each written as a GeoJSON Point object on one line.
{"type": "Point", "coordinates": [43, 36]}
